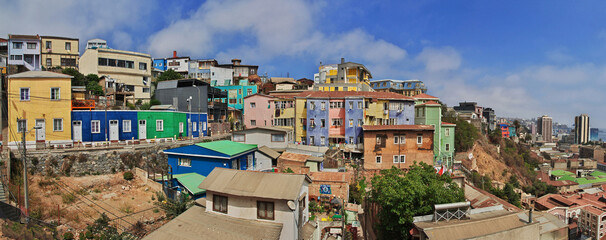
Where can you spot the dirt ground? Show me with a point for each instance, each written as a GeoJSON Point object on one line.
{"type": "Point", "coordinates": [489, 162]}
{"type": "Point", "coordinates": [75, 202]}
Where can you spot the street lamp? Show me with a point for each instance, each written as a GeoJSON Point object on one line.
{"type": "Point", "coordinates": [189, 121]}
{"type": "Point", "coordinates": [199, 127]}
{"type": "Point", "coordinates": [25, 169]}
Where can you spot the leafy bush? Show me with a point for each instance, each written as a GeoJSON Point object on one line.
{"type": "Point", "coordinates": [68, 236]}
{"type": "Point", "coordinates": [128, 176]}
{"type": "Point", "coordinates": [68, 198]}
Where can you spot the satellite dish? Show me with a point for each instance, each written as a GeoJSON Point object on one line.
{"type": "Point", "coordinates": [291, 205]}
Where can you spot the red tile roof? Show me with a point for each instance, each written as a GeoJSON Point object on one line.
{"type": "Point", "coordinates": [344, 94]}
{"type": "Point", "coordinates": [398, 127]}
{"type": "Point", "coordinates": [330, 176]}
{"type": "Point", "coordinates": [594, 210]}
{"type": "Point", "coordinates": [297, 157]}
{"type": "Point", "coordinates": [424, 96]}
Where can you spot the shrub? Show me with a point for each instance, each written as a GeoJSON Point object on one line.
{"type": "Point", "coordinates": [128, 176]}
{"type": "Point", "coordinates": [68, 198]}
{"type": "Point", "coordinates": [68, 236]}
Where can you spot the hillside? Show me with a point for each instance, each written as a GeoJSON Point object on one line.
{"type": "Point", "coordinates": [494, 164]}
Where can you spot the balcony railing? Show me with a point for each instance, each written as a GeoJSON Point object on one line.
{"type": "Point", "coordinates": [83, 104]}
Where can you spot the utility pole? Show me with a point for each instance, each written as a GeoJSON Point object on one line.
{"type": "Point", "coordinates": [23, 130]}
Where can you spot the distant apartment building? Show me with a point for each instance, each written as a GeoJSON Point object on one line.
{"type": "Point", "coordinates": [129, 72]}
{"type": "Point", "coordinates": [594, 134]}
{"type": "Point", "coordinates": [490, 117]}
{"type": "Point", "coordinates": [24, 53]}
{"type": "Point", "coordinates": [60, 52]}
{"type": "Point", "coordinates": [96, 43]}
{"type": "Point", "coordinates": [387, 146]}
{"type": "Point", "coordinates": [581, 129]}
{"type": "Point", "coordinates": [405, 87]}
{"type": "Point", "coordinates": [178, 64]}
{"type": "Point", "coordinates": [545, 128]}
{"type": "Point", "coordinates": [240, 71]}
{"type": "Point", "coordinates": [221, 76]}
{"type": "Point", "coordinates": [591, 222]}
{"type": "Point", "coordinates": [346, 76]}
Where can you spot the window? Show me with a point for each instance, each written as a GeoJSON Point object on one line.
{"type": "Point", "coordinates": [239, 138]}
{"type": "Point", "coordinates": [323, 104]}
{"type": "Point", "coordinates": [126, 127]}
{"type": "Point", "coordinates": [194, 126]}
{"type": "Point", "coordinates": [219, 203]}
{"type": "Point", "coordinates": [240, 91]}
{"type": "Point", "coordinates": [351, 122]}
{"type": "Point", "coordinates": [180, 127]}
{"type": "Point", "coordinates": [102, 61]}
{"type": "Point", "coordinates": [49, 62]}
{"type": "Point", "coordinates": [24, 94]}
{"type": "Point", "coordinates": [49, 45]}
{"type": "Point", "coordinates": [378, 140]}
{"type": "Point", "coordinates": [111, 62]}
{"type": "Point", "coordinates": [312, 105]}
{"type": "Point", "coordinates": [351, 105]}
{"type": "Point", "coordinates": [311, 140]}
{"type": "Point", "coordinates": [17, 45]}
{"type": "Point", "coordinates": [21, 125]}
{"type": "Point", "coordinates": [322, 123]}
{"type": "Point", "coordinates": [185, 162]}
{"type": "Point", "coordinates": [253, 105]}
{"type": "Point", "coordinates": [248, 92]}
{"type": "Point", "coordinates": [402, 158]}
{"type": "Point", "coordinates": [419, 139]}
{"type": "Point", "coordinates": [322, 141]}
{"type": "Point", "coordinates": [360, 122]}
{"type": "Point", "coordinates": [312, 123]}
{"type": "Point", "coordinates": [265, 210]}
{"type": "Point", "coordinates": [121, 63]}
{"type": "Point", "coordinates": [253, 122]}
{"type": "Point", "coordinates": [159, 125]}
{"type": "Point", "coordinates": [336, 104]}
{"type": "Point", "coordinates": [447, 132]}
{"type": "Point", "coordinates": [68, 46]}
{"type": "Point", "coordinates": [142, 66]}
{"type": "Point", "coordinates": [396, 139]}
{"type": "Point", "coordinates": [31, 45]}
{"type": "Point", "coordinates": [337, 122]}
{"type": "Point", "coordinates": [16, 57]}
{"type": "Point", "coordinates": [58, 124]}
{"type": "Point", "coordinates": [95, 126]}
{"type": "Point", "coordinates": [378, 159]}
{"type": "Point", "coordinates": [55, 93]}
{"type": "Point", "coordinates": [396, 159]}
{"type": "Point", "coordinates": [360, 105]}
{"type": "Point", "coordinates": [277, 137]}
{"type": "Point", "coordinates": [68, 62]}
{"type": "Point", "coordinates": [351, 140]}
{"type": "Point", "coordinates": [447, 147]}
{"type": "Point", "coordinates": [145, 89]}
{"type": "Point", "coordinates": [402, 139]}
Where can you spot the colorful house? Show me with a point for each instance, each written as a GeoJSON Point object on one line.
{"type": "Point", "coordinates": [404, 87]}
{"type": "Point", "coordinates": [504, 130]}
{"type": "Point", "coordinates": [257, 110]}
{"type": "Point", "coordinates": [430, 113]}
{"type": "Point", "coordinates": [387, 146]}
{"type": "Point", "coordinates": [43, 100]}
{"type": "Point", "coordinates": [202, 158]}
{"type": "Point", "coordinates": [236, 93]}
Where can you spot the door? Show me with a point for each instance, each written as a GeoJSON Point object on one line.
{"type": "Point", "coordinates": [113, 130]}
{"type": "Point", "coordinates": [142, 129]}
{"type": "Point", "coordinates": [77, 131]}
{"type": "Point", "coordinates": [203, 128]}
{"type": "Point", "coordinates": [40, 130]}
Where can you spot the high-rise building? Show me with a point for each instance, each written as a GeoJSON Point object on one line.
{"type": "Point", "coordinates": [594, 134]}
{"type": "Point", "coordinates": [581, 129]}
{"type": "Point", "coordinates": [544, 126]}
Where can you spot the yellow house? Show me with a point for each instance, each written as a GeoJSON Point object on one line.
{"type": "Point", "coordinates": [130, 70]}
{"type": "Point", "coordinates": [301, 119]}
{"type": "Point", "coordinates": [60, 52]}
{"type": "Point", "coordinates": [39, 99]}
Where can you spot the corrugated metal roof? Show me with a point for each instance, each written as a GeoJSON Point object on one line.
{"type": "Point", "coordinates": [191, 181]}
{"type": "Point", "coordinates": [228, 147]}
{"type": "Point", "coordinates": [39, 74]}
{"type": "Point", "coordinates": [296, 157]}
{"type": "Point", "coordinates": [254, 184]}
{"type": "Point", "coordinates": [196, 223]}
{"type": "Point", "coordinates": [195, 150]}
{"type": "Point", "coordinates": [269, 152]}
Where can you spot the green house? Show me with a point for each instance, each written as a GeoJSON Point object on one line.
{"type": "Point", "coordinates": [162, 124]}
{"type": "Point", "coordinates": [430, 113]}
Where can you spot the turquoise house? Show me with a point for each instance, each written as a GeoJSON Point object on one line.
{"type": "Point", "coordinates": [236, 93]}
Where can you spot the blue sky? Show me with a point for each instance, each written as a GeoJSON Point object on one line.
{"type": "Point", "coordinates": [523, 58]}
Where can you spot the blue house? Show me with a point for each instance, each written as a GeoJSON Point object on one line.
{"type": "Point", "coordinates": [160, 64]}
{"type": "Point", "coordinates": [202, 158]}
{"type": "Point", "coordinates": [199, 124]}
{"type": "Point", "coordinates": [99, 125]}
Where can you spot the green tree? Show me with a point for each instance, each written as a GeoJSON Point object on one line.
{"type": "Point", "coordinates": [465, 135]}
{"type": "Point", "coordinates": [169, 75]}
{"type": "Point", "coordinates": [516, 124]}
{"type": "Point", "coordinates": [174, 208]}
{"type": "Point", "coordinates": [101, 229]}
{"type": "Point", "coordinates": [510, 195]}
{"type": "Point", "coordinates": [403, 195]}
{"type": "Point", "coordinates": [78, 80]}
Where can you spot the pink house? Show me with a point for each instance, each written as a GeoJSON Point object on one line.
{"type": "Point", "coordinates": [258, 110]}
{"type": "Point", "coordinates": [336, 114]}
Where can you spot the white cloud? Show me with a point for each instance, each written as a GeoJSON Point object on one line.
{"type": "Point", "coordinates": [268, 29]}
{"type": "Point", "coordinates": [440, 59]}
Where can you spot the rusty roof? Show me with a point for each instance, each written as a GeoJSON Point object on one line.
{"type": "Point", "coordinates": [397, 127]}
{"type": "Point", "coordinates": [297, 157]}
{"type": "Point", "coordinates": [254, 184]}
{"type": "Point", "coordinates": [330, 176]}
{"type": "Point", "coordinates": [594, 210]}
{"type": "Point", "coordinates": [32, 37]}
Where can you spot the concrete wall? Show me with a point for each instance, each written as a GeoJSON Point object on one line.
{"type": "Point", "coordinates": [57, 51]}
{"type": "Point", "coordinates": [262, 137]}
{"type": "Point", "coordinates": [263, 162]}
{"type": "Point", "coordinates": [219, 76]}
{"type": "Point", "coordinates": [183, 64]}
{"type": "Point", "coordinates": [387, 149]}
{"type": "Point", "coordinates": [166, 95]}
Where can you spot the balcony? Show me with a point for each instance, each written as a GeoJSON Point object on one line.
{"type": "Point", "coordinates": [83, 104]}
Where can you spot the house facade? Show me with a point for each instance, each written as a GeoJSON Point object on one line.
{"type": "Point", "coordinates": [430, 113]}
{"type": "Point", "coordinates": [60, 52]}
{"type": "Point", "coordinates": [258, 110]}
{"type": "Point", "coordinates": [591, 222]}
{"type": "Point", "coordinates": [200, 69]}
{"type": "Point", "coordinates": [237, 93]}
{"type": "Point", "coordinates": [405, 87]}
{"type": "Point", "coordinates": [272, 137]}
{"type": "Point", "coordinates": [130, 70]}
{"type": "Point", "coordinates": [387, 146]}
{"type": "Point", "coordinates": [202, 158]}
{"type": "Point", "coordinates": [253, 196]}
{"type": "Point", "coordinates": [178, 64]}
{"type": "Point", "coordinates": [43, 100]}
{"type": "Point", "coordinates": [345, 76]}
{"type": "Point", "coordinates": [24, 52]}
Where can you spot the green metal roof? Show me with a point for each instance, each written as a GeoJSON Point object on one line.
{"type": "Point", "coordinates": [228, 147]}
{"type": "Point", "coordinates": [191, 181]}
{"type": "Point", "coordinates": [598, 174]}
{"type": "Point", "coordinates": [561, 173]}
{"type": "Point", "coordinates": [567, 177]}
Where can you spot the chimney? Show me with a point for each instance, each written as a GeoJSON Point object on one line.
{"type": "Point", "coordinates": [236, 61]}
{"type": "Point", "coordinates": [530, 216]}
{"type": "Point", "coordinates": [342, 60]}
{"type": "Point", "coordinates": [174, 54]}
